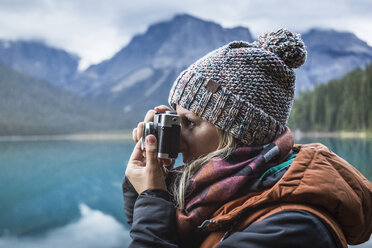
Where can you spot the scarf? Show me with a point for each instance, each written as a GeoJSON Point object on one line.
{"type": "Point", "coordinates": [223, 179]}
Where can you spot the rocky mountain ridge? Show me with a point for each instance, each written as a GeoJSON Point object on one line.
{"type": "Point", "coordinates": [140, 75]}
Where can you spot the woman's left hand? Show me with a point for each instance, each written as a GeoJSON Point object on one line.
{"type": "Point", "coordinates": [146, 173]}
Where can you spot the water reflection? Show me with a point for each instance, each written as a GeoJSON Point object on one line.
{"type": "Point", "coordinates": [68, 194]}
{"type": "Point", "coordinates": [93, 229]}
{"type": "Point", "coordinates": [43, 183]}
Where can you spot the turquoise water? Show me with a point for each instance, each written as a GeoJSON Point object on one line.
{"type": "Point", "coordinates": [48, 185]}
{"type": "Point", "coordinates": [68, 193]}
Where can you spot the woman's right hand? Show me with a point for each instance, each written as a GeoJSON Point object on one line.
{"type": "Point", "coordinates": [137, 132]}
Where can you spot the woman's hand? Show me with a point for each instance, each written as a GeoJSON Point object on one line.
{"type": "Point", "coordinates": [146, 173]}
{"type": "Point", "coordinates": [137, 132]}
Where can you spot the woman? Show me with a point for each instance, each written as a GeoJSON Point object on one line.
{"type": "Point", "coordinates": [244, 183]}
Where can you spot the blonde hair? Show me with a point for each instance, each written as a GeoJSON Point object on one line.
{"type": "Point", "coordinates": [225, 147]}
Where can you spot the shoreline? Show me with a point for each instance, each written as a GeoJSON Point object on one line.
{"type": "Point", "coordinates": [69, 137]}
{"type": "Point", "coordinates": [127, 135]}
{"type": "Point", "coordinates": [297, 134]}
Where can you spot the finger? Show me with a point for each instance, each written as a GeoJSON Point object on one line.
{"type": "Point", "coordinates": [139, 131]}
{"type": "Point", "coordinates": [154, 172]}
{"type": "Point", "coordinates": [162, 108]}
{"type": "Point", "coordinates": [134, 134]}
{"type": "Point", "coordinates": [137, 153]}
{"type": "Point", "coordinates": [149, 117]}
{"type": "Point", "coordinates": [151, 152]}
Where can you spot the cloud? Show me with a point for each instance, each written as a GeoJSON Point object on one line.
{"type": "Point", "coordinates": [96, 29]}
{"type": "Point", "coordinates": [94, 230]}
{"type": "Point", "coordinates": [86, 31]}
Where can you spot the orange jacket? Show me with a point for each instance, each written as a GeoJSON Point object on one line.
{"type": "Point", "coordinates": [317, 181]}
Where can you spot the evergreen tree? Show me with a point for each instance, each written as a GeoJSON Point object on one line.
{"type": "Point", "coordinates": [339, 105]}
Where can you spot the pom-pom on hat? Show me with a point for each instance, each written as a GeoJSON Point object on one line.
{"type": "Point", "coordinates": [246, 89]}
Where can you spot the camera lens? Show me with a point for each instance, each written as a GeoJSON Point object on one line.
{"type": "Point", "coordinates": [149, 128]}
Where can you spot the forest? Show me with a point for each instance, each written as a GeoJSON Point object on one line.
{"type": "Point", "coordinates": [340, 105]}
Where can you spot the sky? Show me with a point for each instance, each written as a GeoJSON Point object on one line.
{"type": "Point", "coordinates": [96, 29]}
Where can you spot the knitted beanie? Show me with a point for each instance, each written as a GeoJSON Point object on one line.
{"type": "Point", "coordinates": [246, 89]}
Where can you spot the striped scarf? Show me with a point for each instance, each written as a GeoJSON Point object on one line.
{"type": "Point", "coordinates": [221, 180]}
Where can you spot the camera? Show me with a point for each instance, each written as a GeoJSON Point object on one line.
{"type": "Point", "coordinates": [166, 128]}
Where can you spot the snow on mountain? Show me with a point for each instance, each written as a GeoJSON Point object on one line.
{"type": "Point", "coordinates": [132, 79]}
{"type": "Point", "coordinates": [157, 84]}
{"type": "Point", "coordinates": [140, 75]}
{"type": "Point", "coordinates": [153, 60]}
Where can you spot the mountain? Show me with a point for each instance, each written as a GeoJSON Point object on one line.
{"type": "Point", "coordinates": [31, 106]}
{"type": "Point", "coordinates": [140, 75]}
{"type": "Point", "coordinates": [164, 50]}
{"type": "Point", "coordinates": [331, 55]}
{"type": "Point", "coordinates": [339, 105]}
{"type": "Point", "coordinates": [36, 59]}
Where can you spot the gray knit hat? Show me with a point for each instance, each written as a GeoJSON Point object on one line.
{"type": "Point", "coordinates": [246, 89]}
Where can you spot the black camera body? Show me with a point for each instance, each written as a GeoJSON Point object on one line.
{"type": "Point", "coordinates": [166, 128]}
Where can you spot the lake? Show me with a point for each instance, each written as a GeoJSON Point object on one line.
{"type": "Point", "coordinates": [68, 193]}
